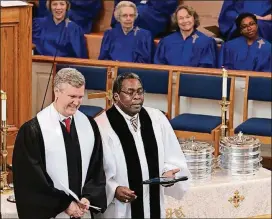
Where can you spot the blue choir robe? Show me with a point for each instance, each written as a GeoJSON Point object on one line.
{"type": "Point", "coordinates": [197, 50]}
{"type": "Point", "coordinates": [136, 46]}
{"type": "Point", "coordinates": [64, 39]}
{"type": "Point", "coordinates": [236, 54]}
{"type": "Point", "coordinates": [42, 11]}
{"type": "Point", "coordinates": [83, 12]}
{"type": "Point", "coordinates": [154, 15]}
{"type": "Point", "coordinates": [232, 8]}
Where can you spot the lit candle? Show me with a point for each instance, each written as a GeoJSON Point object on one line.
{"type": "Point", "coordinates": [4, 106]}
{"type": "Point", "coordinates": [224, 83]}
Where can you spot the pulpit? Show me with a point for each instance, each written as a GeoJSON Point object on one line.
{"type": "Point", "coordinates": [16, 65]}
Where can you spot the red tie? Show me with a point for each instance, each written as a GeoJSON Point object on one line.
{"type": "Point", "coordinates": [67, 124]}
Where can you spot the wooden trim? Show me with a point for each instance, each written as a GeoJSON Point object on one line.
{"type": "Point", "coordinates": [169, 94]}
{"type": "Point", "coordinates": [245, 110]}
{"type": "Point", "coordinates": [232, 99]}
{"type": "Point", "coordinates": [110, 74]}
{"type": "Point", "coordinates": [177, 97]}
{"type": "Point", "coordinates": [184, 69]}
{"type": "Point", "coordinates": [197, 135]}
{"type": "Point", "coordinates": [263, 216]}
{"type": "Point", "coordinates": [92, 95]}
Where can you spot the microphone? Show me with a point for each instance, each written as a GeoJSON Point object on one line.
{"type": "Point", "coordinates": [51, 71]}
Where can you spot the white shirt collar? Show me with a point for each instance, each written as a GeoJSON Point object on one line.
{"type": "Point", "coordinates": [126, 116]}
{"type": "Point", "coordinates": [61, 117]}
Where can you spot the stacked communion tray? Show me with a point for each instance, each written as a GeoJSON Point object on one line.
{"type": "Point", "coordinates": [199, 158]}
{"type": "Point", "coordinates": [240, 155]}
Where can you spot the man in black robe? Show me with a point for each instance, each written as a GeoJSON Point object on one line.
{"type": "Point", "coordinates": [58, 157]}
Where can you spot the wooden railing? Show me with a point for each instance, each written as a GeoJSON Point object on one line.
{"type": "Point", "coordinates": [184, 69]}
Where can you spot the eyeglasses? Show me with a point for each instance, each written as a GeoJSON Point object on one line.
{"type": "Point", "coordinates": [245, 26]}
{"type": "Point", "coordinates": [127, 15]}
{"type": "Point", "coordinates": [132, 93]}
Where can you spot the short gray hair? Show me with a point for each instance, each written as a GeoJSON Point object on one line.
{"type": "Point", "coordinates": [69, 76]}
{"type": "Point", "coordinates": [117, 10]}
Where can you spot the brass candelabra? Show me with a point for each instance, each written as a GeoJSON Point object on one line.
{"type": "Point", "coordinates": [4, 153]}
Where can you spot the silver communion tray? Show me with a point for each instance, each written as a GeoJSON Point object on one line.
{"type": "Point", "coordinates": [199, 158]}
{"type": "Point", "coordinates": [240, 154]}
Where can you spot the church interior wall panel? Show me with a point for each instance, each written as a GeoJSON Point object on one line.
{"type": "Point", "coordinates": [40, 76]}
{"type": "Point", "coordinates": [16, 63]}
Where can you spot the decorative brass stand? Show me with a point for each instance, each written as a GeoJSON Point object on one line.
{"type": "Point", "coordinates": [224, 104]}
{"type": "Point", "coordinates": [4, 153]}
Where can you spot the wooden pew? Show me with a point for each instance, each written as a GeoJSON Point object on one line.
{"type": "Point", "coordinates": [114, 65]}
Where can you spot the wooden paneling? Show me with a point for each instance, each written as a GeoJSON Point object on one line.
{"type": "Point", "coordinates": [16, 41]}
{"type": "Point", "coordinates": [104, 19]}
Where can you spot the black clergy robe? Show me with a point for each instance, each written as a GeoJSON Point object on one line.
{"type": "Point", "coordinates": [36, 196]}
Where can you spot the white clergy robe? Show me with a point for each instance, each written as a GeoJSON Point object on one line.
{"type": "Point", "coordinates": [169, 154]}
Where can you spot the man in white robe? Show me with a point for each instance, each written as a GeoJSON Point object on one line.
{"type": "Point", "coordinates": [58, 157]}
{"type": "Point", "coordinates": [138, 144]}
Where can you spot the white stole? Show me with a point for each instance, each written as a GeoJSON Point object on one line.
{"type": "Point", "coordinates": [55, 152]}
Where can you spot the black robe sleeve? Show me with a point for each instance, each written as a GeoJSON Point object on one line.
{"type": "Point", "coordinates": [34, 190]}
{"type": "Point", "coordinates": [95, 184]}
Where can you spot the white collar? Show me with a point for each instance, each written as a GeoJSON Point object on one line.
{"type": "Point", "coordinates": [61, 117]}
{"type": "Point", "coordinates": [126, 116]}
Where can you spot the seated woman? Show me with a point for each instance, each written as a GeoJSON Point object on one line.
{"type": "Point", "coordinates": [126, 42]}
{"type": "Point", "coordinates": [56, 35]}
{"type": "Point", "coordinates": [249, 51]}
{"type": "Point", "coordinates": [232, 8]}
{"type": "Point", "coordinates": [81, 12]}
{"type": "Point", "coordinates": [187, 46]}
{"type": "Point", "coordinates": [154, 15]}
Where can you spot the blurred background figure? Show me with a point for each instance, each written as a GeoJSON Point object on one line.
{"type": "Point", "coordinates": [232, 8]}
{"type": "Point", "coordinates": [187, 46]}
{"type": "Point", "coordinates": [249, 51]}
{"type": "Point", "coordinates": [82, 12]}
{"type": "Point", "coordinates": [127, 42]}
{"type": "Point", "coordinates": [56, 35]}
{"type": "Point", "coordinates": [154, 15]}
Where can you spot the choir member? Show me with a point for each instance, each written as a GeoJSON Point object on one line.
{"type": "Point", "coordinates": [56, 35]}
{"type": "Point", "coordinates": [127, 42]}
{"type": "Point", "coordinates": [262, 9]}
{"type": "Point", "coordinates": [186, 46]}
{"type": "Point", "coordinates": [249, 51]}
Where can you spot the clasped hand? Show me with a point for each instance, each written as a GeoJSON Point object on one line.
{"type": "Point", "coordinates": [78, 210]}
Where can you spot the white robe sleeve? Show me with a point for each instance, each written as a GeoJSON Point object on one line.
{"type": "Point", "coordinates": [174, 158]}
{"type": "Point", "coordinates": [110, 170]}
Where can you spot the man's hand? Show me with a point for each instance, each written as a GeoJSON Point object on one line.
{"type": "Point", "coordinates": [74, 211]}
{"type": "Point", "coordinates": [124, 194]}
{"type": "Point", "coordinates": [84, 205]}
{"type": "Point", "coordinates": [171, 173]}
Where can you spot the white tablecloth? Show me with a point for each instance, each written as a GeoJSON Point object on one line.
{"type": "Point", "coordinates": [209, 198]}
{"type": "Point", "coordinates": [215, 198]}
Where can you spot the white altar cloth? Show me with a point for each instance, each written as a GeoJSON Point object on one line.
{"type": "Point", "coordinates": [215, 198]}
{"type": "Point", "coordinates": [212, 198]}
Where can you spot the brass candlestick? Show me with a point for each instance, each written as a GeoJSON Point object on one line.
{"type": "Point", "coordinates": [224, 104]}
{"type": "Point", "coordinates": [4, 153]}
{"type": "Point", "coordinates": [224, 108]}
